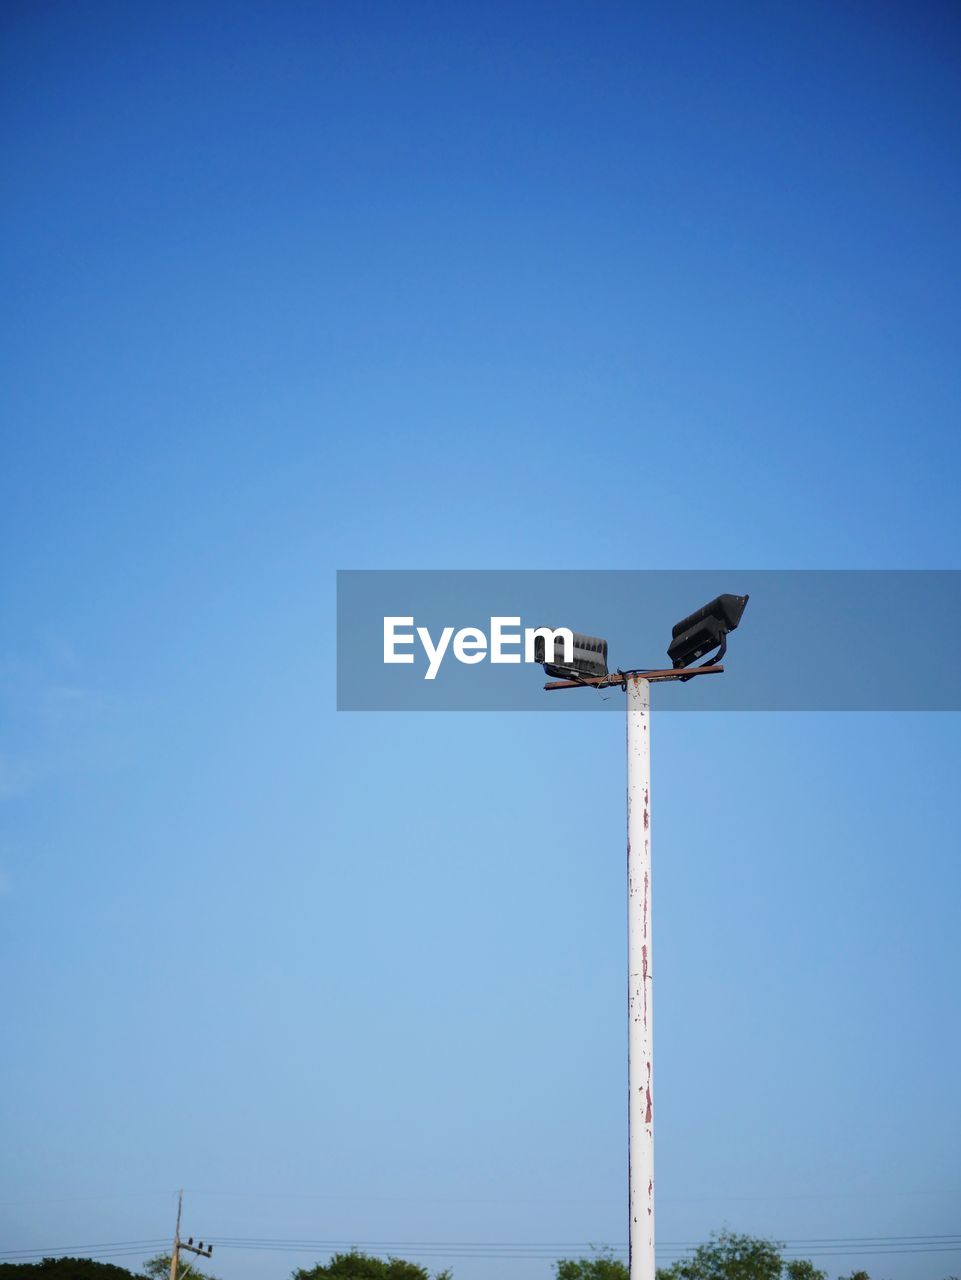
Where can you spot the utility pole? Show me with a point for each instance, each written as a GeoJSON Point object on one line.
{"type": "Point", "coordinates": [185, 1244]}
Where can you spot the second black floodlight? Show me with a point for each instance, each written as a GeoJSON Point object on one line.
{"type": "Point", "coordinates": [588, 657]}
{"type": "Point", "coordinates": [704, 630]}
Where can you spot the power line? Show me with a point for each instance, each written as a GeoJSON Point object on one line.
{"type": "Point", "coordinates": [812, 1247]}
{"type": "Point", "coordinates": [87, 1248]}
{"type": "Point", "coordinates": [239, 1241]}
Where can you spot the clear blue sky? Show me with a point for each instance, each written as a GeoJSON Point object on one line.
{"type": "Point", "coordinates": [296, 287]}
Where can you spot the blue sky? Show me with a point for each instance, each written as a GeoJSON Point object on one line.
{"type": "Point", "coordinates": [294, 288]}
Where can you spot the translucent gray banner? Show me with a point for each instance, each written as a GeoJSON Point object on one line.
{"type": "Point", "coordinates": [809, 640]}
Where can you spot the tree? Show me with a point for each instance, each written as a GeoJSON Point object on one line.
{"type": "Point", "coordinates": [64, 1269]}
{"type": "Point", "coordinates": [603, 1266]}
{"type": "Point", "coordinates": [158, 1268]}
{"type": "Point", "coordinates": [802, 1269]}
{"type": "Point", "coordinates": [728, 1256]}
{"type": "Point", "coordinates": [361, 1266]}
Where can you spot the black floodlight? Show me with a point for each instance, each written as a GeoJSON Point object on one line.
{"type": "Point", "coordinates": [705, 630]}
{"type": "Point", "coordinates": [588, 658]}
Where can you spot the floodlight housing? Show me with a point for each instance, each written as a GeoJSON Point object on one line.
{"type": "Point", "coordinates": [588, 659]}
{"type": "Point", "coordinates": [705, 629]}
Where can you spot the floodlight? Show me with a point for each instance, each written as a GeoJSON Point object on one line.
{"type": "Point", "coordinates": [588, 657]}
{"type": "Point", "coordinates": [704, 630]}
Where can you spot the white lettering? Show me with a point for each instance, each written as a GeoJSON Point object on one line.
{"type": "Point", "coordinates": [549, 635]}
{"type": "Point", "coordinates": [435, 656]}
{"type": "Point", "coordinates": [471, 645]}
{"type": "Point", "coordinates": [391, 639]}
{"type": "Point", "coordinates": [469, 638]}
{"type": "Point", "coordinates": [499, 638]}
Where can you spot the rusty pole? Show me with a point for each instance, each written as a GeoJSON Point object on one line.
{"type": "Point", "coordinates": [640, 1040]}
{"type": "Point", "coordinates": [640, 1003]}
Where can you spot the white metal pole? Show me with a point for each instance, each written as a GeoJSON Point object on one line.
{"type": "Point", "coordinates": [640, 1040]}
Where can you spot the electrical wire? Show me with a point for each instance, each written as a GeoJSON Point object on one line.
{"type": "Point", "coordinates": [812, 1247]}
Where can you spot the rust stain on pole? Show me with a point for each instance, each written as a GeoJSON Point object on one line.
{"type": "Point", "coordinates": [640, 987]}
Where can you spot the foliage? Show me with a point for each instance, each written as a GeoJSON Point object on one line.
{"type": "Point", "coordinates": [729, 1256]}
{"type": "Point", "coordinates": [802, 1269]}
{"type": "Point", "coordinates": [603, 1266]}
{"type": "Point", "coordinates": [63, 1269]}
{"type": "Point", "coordinates": [158, 1268]}
{"type": "Point", "coordinates": [361, 1266]}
